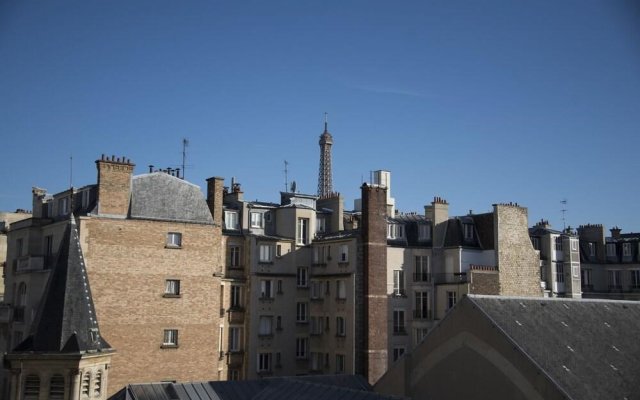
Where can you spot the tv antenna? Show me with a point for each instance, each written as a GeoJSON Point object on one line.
{"type": "Point", "coordinates": [185, 143]}
{"type": "Point", "coordinates": [564, 210]}
{"type": "Point", "coordinates": [286, 176]}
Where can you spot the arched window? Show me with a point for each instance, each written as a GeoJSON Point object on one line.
{"type": "Point", "coordinates": [56, 388]}
{"type": "Point", "coordinates": [97, 384]}
{"type": "Point", "coordinates": [31, 387]}
{"type": "Point", "coordinates": [86, 382]}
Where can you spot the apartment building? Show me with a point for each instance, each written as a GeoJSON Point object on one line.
{"type": "Point", "coordinates": [153, 259]}
{"type": "Point", "coordinates": [559, 260]}
{"type": "Point", "coordinates": [610, 264]}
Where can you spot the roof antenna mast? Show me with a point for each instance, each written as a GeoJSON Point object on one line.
{"type": "Point", "coordinates": [286, 176]}
{"type": "Point", "coordinates": [185, 143]}
{"type": "Point", "coordinates": [71, 170]}
{"type": "Point", "coordinates": [564, 210]}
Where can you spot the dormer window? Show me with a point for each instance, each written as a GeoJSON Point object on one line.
{"type": "Point", "coordinates": [468, 231]}
{"type": "Point", "coordinates": [256, 220]}
{"type": "Point", "coordinates": [231, 220]}
{"type": "Point", "coordinates": [592, 249]}
{"type": "Point", "coordinates": [395, 231]}
{"type": "Point", "coordinates": [611, 249]}
{"type": "Point", "coordinates": [320, 224]}
{"type": "Point", "coordinates": [424, 232]}
{"type": "Point", "coordinates": [626, 249]}
{"type": "Point", "coordinates": [63, 206]}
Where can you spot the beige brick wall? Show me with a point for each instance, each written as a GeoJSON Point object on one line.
{"type": "Point", "coordinates": [518, 262]}
{"type": "Point", "coordinates": [484, 282]}
{"type": "Point", "coordinates": [114, 186]}
{"type": "Point", "coordinates": [128, 264]}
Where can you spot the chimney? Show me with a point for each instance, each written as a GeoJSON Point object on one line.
{"type": "Point", "coordinates": [215, 188]}
{"type": "Point", "coordinates": [440, 212]}
{"type": "Point", "coordinates": [615, 232]}
{"type": "Point", "coordinates": [374, 326]}
{"type": "Point", "coordinates": [38, 196]}
{"type": "Point", "coordinates": [114, 185]}
{"type": "Point", "coordinates": [335, 203]}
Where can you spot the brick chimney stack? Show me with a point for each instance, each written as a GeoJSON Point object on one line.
{"type": "Point", "coordinates": [440, 215]}
{"type": "Point", "coordinates": [114, 185]}
{"type": "Point", "coordinates": [375, 320]}
{"type": "Point", "coordinates": [215, 194]}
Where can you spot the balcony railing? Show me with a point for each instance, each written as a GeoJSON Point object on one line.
{"type": "Point", "coordinates": [235, 358]}
{"type": "Point", "coordinates": [30, 263]}
{"type": "Point", "coordinates": [421, 277]}
{"type": "Point", "coordinates": [236, 315]}
{"type": "Point", "coordinates": [422, 314]}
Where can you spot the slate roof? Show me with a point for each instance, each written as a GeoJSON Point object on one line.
{"type": "Point", "coordinates": [321, 387]}
{"type": "Point", "coordinates": [160, 196]}
{"type": "Point", "coordinates": [66, 321]}
{"type": "Point", "coordinates": [589, 348]}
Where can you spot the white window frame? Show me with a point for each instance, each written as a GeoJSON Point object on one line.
{"type": "Point", "coordinates": [468, 231]}
{"type": "Point", "coordinates": [231, 220]}
{"type": "Point", "coordinates": [302, 312]}
{"type": "Point", "coordinates": [626, 250]}
{"type": "Point", "coordinates": [614, 277]}
{"type": "Point", "coordinates": [399, 321]}
{"type": "Point", "coordinates": [452, 299]}
{"type": "Point", "coordinates": [302, 231]}
{"type": "Point", "coordinates": [266, 289]}
{"type": "Point", "coordinates": [266, 253]}
{"type": "Point", "coordinates": [265, 325]}
{"type": "Point", "coordinates": [257, 219]}
{"type": "Point", "coordinates": [302, 348]}
{"type": "Point", "coordinates": [424, 232]}
{"type": "Point", "coordinates": [611, 249]}
{"type": "Point", "coordinates": [174, 240]}
{"type": "Point", "coordinates": [236, 296]}
{"type": "Point", "coordinates": [170, 338]}
{"type": "Point", "coordinates": [635, 278]}
{"type": "Point", "coordinates": [264, 362]}
{"type": "Point", "coordinates": [235, 339]}
{"type": "Point", "coordinates": [422, 269]}
{"type": "Point", "coordinates": [592, 249]}
{"type": "Point", "coordinates": [302, 277]}
{"type": "Point", "coordinates": [172, 287]}
{"type": "Point", "coordinates": [234, 255]}
{"type": "Point", "coordinates": [340, 363]}
{"type": "Point", "coordinates": [344, 253]}
{"type": "Point", "coordinates": [398, 282]}
{"type": "Point", "coordinates": [341, 326]}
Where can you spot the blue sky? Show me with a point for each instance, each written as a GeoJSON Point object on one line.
{"type": "Point", "coordinates": [478, 102]}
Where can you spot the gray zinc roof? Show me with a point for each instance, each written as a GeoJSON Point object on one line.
{"type": "Point", "coordinates": [160, 196]}
{"type": "Point", "coordinates": [589, 348]}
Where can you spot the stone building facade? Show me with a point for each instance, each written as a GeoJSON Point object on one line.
{"type": "Point", "coordinates": [153, 257]}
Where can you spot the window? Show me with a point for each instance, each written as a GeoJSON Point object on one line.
{"type": "Point", "coordinates": [344, 253]}
{"type": "Point", "coordinates": [231, 220]}
{"type": "Point", "coordinates": [97, 384]}
{"type": "Point", "coordinates": [301, 312]}
{"type": "Point", "coordinates": [280, 286]}
{"type": "Point", "coordinates": [611, 249]}
{"type": "Point", "coordinates": [397, 352]}
{"type": "Point", "coordinates": [235, 337]}
{"type": "Point", "coordinates": [316, 289]}
{"type": "Point", "coordinates": [421, 333]}
{"type": "Point", "coordinates": [398, 282]}
{"type": "Point", "coordinates": [172, 287]}
{"type": "Point", "coordinates": [398, 322]}
{"type": "Point", "coordinates": [32, 387]}
{"type": "Point", "coordinates": [422, 272]}
{"type": "Point", "coordinates": [279, 250]}
{"type": "Point", "coordinates": [256, 220]}
{"type": "Point", "coordinates": [56, 387]}
{"type": "Point", "coordinates": [278, 360]}
{"type": "Point", "coordinates": [266, 253]}
{"type": "Point", "coordinates": [395, 231]}
{"type": "Point", "coordinates": [451, 299]}
{"type": "Point", "coordinates": [341, 289]}
{"type": "Point", "coordinates": [316, 326]}
{"type": "Point", "coordinates": [265, 328]}
{"type": "Point", "coordinates": [327, 288]}
{"type": "Point", "coordinates": [615, 281]}
{"type": "Point", "coordinates": [560, 272]}
{"type": "Point", "coordinates": [279, 323]}
{"type": "Point", "coordinates": [86, 382]}
{"type": "Point", "coordinates": [424, 232]}
{"type": "Point", "coordinates": [635, 278]}
{"type": "Point", "coordinates": [264, 362]}
{"type": "Point", "coordinates": [341, 327]}
{"type": "Point", "coordinates": [626, 249]}
{"type": "Point", "coordinates": [303, 231]}
{"type": "Point", "coordinates": [174, 239]}
{"type": "Point", "coordinates": [592, 249]}
{"type": "Point", "coordinates": [574, 244]}
{"type": "Point", "coordinates": [586, 277]}
{"type": "Point", "coordinates": [339, 363]}
{"type": "Point", "coordinates": [266, 291]}
{"type": "Point", "coordinates": [19, 247]}
{"type": "Point", "coordinates": [301, 347]}
{"type": "Point", "coordinates": [320, 224]}
{"type": "Point", "coordinates": [234, 375]}
{"type": "Point", "coordinates": [85, 199]}
{"type": "Point", "coordinates": [302, 277]}
{"type": "Point", "coordinates": [63, 206]}
{"type": "Point", "coordinates": [236, 296]}
{"type": "Point", "coordinates": [421, 310]}
{"type": "Point", "coordinates": [558, 243]}
{"type": "Point", "coordinates": [468, 231]}
{"type": "Point", "coordinates": [316, 361]}
{"type": "Point", "coordinates": [234, 256]}
{"type": "Point", "coordinates": [170, 338]}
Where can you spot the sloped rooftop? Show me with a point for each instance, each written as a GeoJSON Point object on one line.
{"type": "Point", "coordinates": [321, 387]}
{"type": "Point", "coordinates": [160, 196]}
{"type": "Point", "coordinates": [590, 348]}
